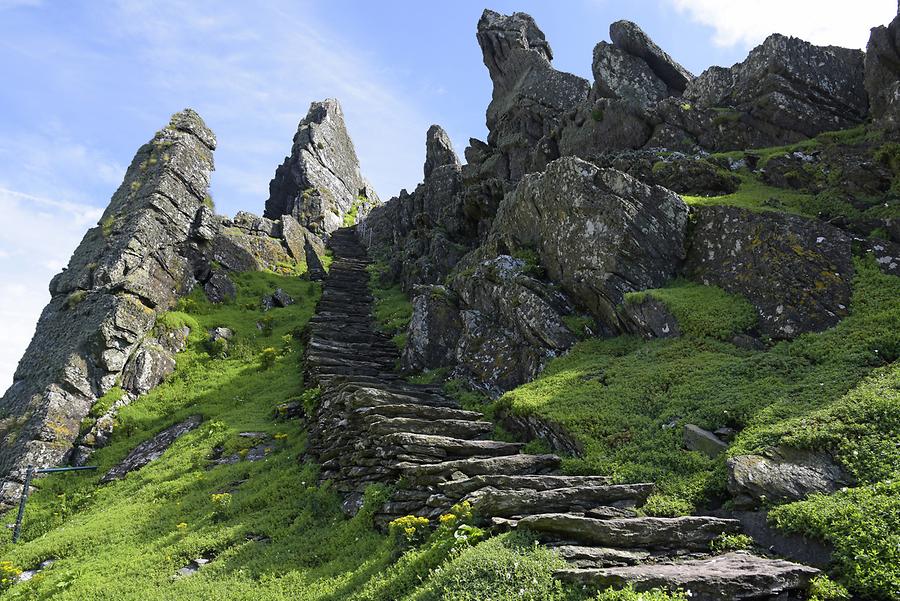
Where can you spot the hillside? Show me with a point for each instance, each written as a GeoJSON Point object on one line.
{"type": "Point", "coordinates": [640, 345]}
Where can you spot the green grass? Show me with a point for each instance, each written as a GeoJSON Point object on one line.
{"type": "Point", "coordinates": [274, 532]}
{"type": "Point", "coordinates": [393, 309]}
{"type": "Point", "coordinates": [755, 195]}
{"type": "Point", "coordinates": [627, 400]}
{"type": "Point", "coordinates": [702, 310]}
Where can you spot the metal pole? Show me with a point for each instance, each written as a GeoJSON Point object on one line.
{"type": "Point", "coordinates": [22, 500]}
{"type": "Point", "coordinates": [25, 489]}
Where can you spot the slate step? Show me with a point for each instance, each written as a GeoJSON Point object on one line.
{"type": "Point", "coordinates": [419, 411]}
{"type": "Point", "coordinates": [693, 533]}
{"type": "Point", "coordinates": [508, 503]}
{"type": "Point", "coordinates": [464, 429]}
{"type": "Point", "coordinates": [427, 444]}
{"type": "Point", "coordinates": [580, 556]}
{"type": "Point", "coordinates": [460, 469]}
{"type": "Point", "coordinates": [737, 576]}
{"type": "Point", "coordinates": [460, 488]}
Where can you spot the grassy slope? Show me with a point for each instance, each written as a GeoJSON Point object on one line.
{"type": "Point", "coordinates": [835, 390]}
{"type": "Point", "coordinates": [126, 540]}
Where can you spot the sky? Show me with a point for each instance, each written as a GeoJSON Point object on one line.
{"type": "Point", "coordinates": [83, 83]}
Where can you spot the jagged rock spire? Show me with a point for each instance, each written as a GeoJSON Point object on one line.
{"type": "Point", "coordinates": [320, 182]}
{"type": "Point", "coordinates": [126, 270]}
{"type": "Point", "coordinates": [438, 150]}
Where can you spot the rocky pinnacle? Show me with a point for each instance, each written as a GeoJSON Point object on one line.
{"type": "Point", "coordinates": [127, 269]}
{"type": "Point", "coordinates": [320, 182]}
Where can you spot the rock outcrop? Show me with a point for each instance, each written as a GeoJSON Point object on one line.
{"type": "Point", "coordinates": [795, 271]}
{"type": "Point", "coordinates": [882, 73]}
{"type": "Point", "coordinates": [632, 40]}
{"type": "Point", "coordinates": [320, 183]}
{"type": "Point", "coordinates": [598, 233]}
{"type": "Point", "coordinates": [782, 475]}
{"type": "Point", "coordinates": [420, 237]}
{"type": "Point", "coordinates": [130, 267]}
{"type": "Point", "coordinates": [529, 95]}
{"type": "Point", "coordinates": [495, 322]}
{"type": "Point", "coordinates": [151, 449]}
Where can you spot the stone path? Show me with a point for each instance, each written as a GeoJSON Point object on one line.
{"type": "Point", "coordinates": [372, 426]}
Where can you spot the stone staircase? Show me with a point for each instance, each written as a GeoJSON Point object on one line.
{"type": "Point", "coordinates": [371, 426]}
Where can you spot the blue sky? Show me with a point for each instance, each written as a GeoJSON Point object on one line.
{"type": "Point", "coordinates": [85, 82]}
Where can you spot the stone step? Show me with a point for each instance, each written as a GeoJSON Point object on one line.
{"type": "Point", "coordinates": [579, 556]}
{"type": "Point", "coordinates": [460, 488]}
{"type": "Point", "coordinates": [419, 411]}
{"type": "Point", "coordinates": [515, 502]}
{"type": "Point", "coordinates": [737, 576]}
{"type": "Point", "coordinates": [692, 533]}
{"type": "Point", "coordinates": [464, 429]}
{"type": "Point", "coordinates": [452, 447]}
{"type": "Point", "coordinates": [460, 469]}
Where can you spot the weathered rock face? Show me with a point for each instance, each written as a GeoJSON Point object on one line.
{"type": "Point", "coordinates": [125, 271]}
{"type": "Point", "coordinates": [151, 449]}
{"type": "Point", "coordinates": [320, 182]}
{"type": "Point", "coordinates": [632, 39]}
{"type": "Point", "coordinates": [733, 576]}
{"type": "Point", "coordinates": [883, 73]}
{"type": "Point", "coordinates": [497, 324]}
{"type": "Point", "coordinates": [791, 85]}
{"type": "Point", "coordinates": [796, 271]}
{"type": "Point", "coordinates": [618, 74]}
{"type": "Point", "coordinates": [421, 236]}
{"type": "Point", "coordinates": [784, 474]}
{"type": "Point", "coordinates": [529, 96]}
{"type": "Point", "coordinates": [599, 233]}
{"type": "Point", "coordinates": [438, 150]}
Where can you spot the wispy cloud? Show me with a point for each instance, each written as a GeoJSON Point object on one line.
{"type": "Point", "coordinates": [823, 22]}
{"type": "Point", "coordinates": [264, 66]}
{"type": "Point", "coordinates": [36, 240]}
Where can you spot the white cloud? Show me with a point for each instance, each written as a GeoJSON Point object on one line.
{"type": "Point", "coordinates": [823, 22]}
{"type": "Point", "coordinates": [36, 240]}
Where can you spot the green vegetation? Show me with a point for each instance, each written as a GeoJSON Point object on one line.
{"type": "Point", "coordinates": [350, 217]}
{"type": "Point", "coordinates": [271, 531]}
{"type": "Point", "coordinates": [393, 309]}
{"type": "Point", "coordinates": [755, 195]}
{"type": "Point", "coordinates": [730, 542]}
{"type": "Point", "coordinates": [209, 203]}
{"type": "Point", "coordinates": [702, 311]}
{"type": "Point", "coordinates": [106, 225]}
{"type": "Point", "coordinates": [627, 400]}
{"type": "Point", "coordinates": [581, 325]}
{"type": "Point", "coordinates": [75, 298]}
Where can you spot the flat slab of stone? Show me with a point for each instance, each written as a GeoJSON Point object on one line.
{"type": "Point", "coordinates": [730, 577]}
{"type": "Point", "coordinates": [462, 468]}
{"type": "Point", "coordinates": [580, 556]}
{"type": "Point", "coordinates": [461, 488]}
{"type": "Point", "coordinates": [151, 449]}
{"type": "Point", "coordinates": [689, 532]}
{"type": "Point", "coordinates": [704, 441]}
{"type": "Point", "coordinates": [507, 503]}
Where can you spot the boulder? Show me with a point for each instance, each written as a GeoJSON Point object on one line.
{"type": "Point", "coordinates": [733, 576]}
{"type": "Point", "coordinates": [704, 441]}
{"type": "Point", "coordinates": [882, 74]}
{"type": "Point", "coordinates": [631, 39]}
{"type": "Point", "coordinates": [795, 271]}
{"type": "Point", "coordinates": [149, 365]}
{"type": "Point", "coordinates": [219, 288]}
{"type": "Point", "coordinates": [529, 95]}
{"type": "Point", "coordinates": [648, 318]}
{"type": "Point", "coordinates": [511, 324]}
{"type": "Point", "coordinates": [130, 267]}
{"type": "Point", "coordinates": [320, 182]}
{"type": "Point", "coordinates": [434, 330]}
{"type": "Point", "coordinates": [783, 474]}
{"type": "Point", "coordinates": [598, 232]}
{"type": "Point", "coordinates": [151, 449]}
{"type": "Point", "coordinates": [689, 532]}
{"type": "Point", "coordinates": [618, 74]}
